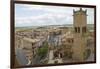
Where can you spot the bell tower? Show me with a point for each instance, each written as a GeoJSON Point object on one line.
{"type": "Point", "coordinates": [80, 29]}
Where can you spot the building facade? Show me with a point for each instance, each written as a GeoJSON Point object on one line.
{"type": "Point", "coordinates": [80, 29]}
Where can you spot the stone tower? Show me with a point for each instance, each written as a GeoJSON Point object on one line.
{"type": "Point", "coordinates": [80, 24]}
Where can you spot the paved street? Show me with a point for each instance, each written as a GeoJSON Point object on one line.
{"type": "Point", "coordinates": [21, 57]}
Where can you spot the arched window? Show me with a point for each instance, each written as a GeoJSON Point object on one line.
{"type": "Point", "coordinates": [83, 29]}
{"type": "Point", "coordinates": [77, 29]}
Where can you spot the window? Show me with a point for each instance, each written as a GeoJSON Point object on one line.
{"type": "Point", "coordinates": [83, 29]}
{"type": "Point", "coordinates": [77, 29]}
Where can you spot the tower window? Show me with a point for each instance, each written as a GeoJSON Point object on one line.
{"type": "Point", "coordinates": [84, 29]}
{"type": "Point", "coordinates": [77, 29]}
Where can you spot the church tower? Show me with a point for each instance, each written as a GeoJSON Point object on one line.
{"type": "Point", "coordinates": [80, 29]}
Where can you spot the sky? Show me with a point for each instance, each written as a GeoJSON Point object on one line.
{"type": "Point", "coordinates": [40, 15]}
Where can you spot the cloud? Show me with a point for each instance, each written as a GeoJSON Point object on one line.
{"type": "Point", "coordinates": [49, 9]}
{"type": "Point", "coordinates": [46, 19]}
{"type": "Point", "coordinates": [38, 15]}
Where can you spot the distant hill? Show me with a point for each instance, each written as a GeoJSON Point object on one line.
{"type": "Point", "coordinates": [90, 25]}
{"type": "Point", "coordinates": [46, 26]}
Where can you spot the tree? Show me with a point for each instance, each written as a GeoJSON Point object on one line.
{"type": "Point", "coordinates": [42, 52]}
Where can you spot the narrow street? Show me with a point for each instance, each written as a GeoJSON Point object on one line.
{"type": "Point", "coordinates": [20, 55]}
